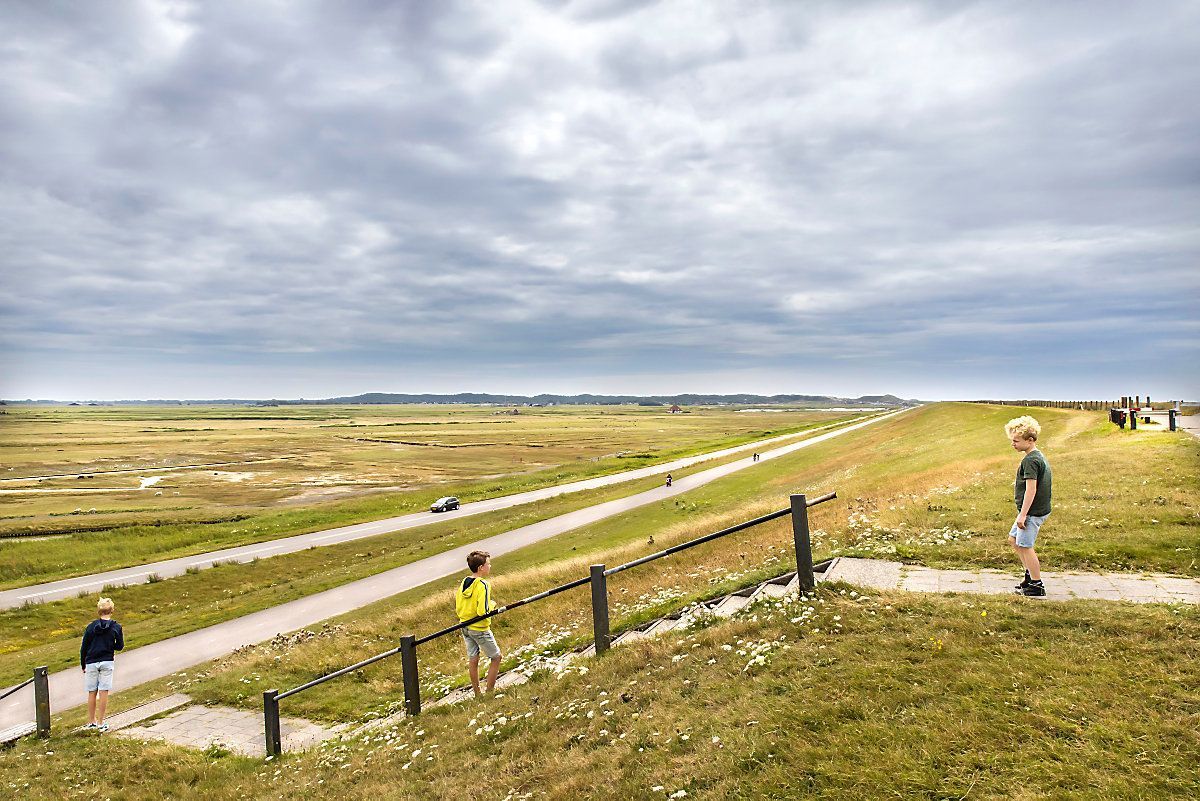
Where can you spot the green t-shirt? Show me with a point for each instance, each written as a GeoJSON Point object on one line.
{"type": "Point", "coordinates": [1034, 466]}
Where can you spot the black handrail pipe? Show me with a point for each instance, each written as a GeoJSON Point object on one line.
{"type": "Point", "coordinates": [20, 686]}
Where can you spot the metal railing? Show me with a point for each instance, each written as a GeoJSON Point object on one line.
{"type": "Point", "coordinates": [41, 698]}
{"type": "Point", "coordinates": [597, 578]}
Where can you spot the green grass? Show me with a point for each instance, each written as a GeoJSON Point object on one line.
{"type": "Point", "coordinates": [173, 532]}
{"type": "Point", "coordinates": [47, 634]}
{"type": "Point", "coordinates": [913, 696]}
{"type": "Point", "coordinates": [863, 466]}
{"type": "Point", "coordinates": [884, 465]}
{"type": "Point", "coordinates": [890, 696]}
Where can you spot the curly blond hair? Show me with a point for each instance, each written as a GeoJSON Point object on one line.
{"type": "Point", "coordinates": [105, 606]}
{"type": "Point", "coordinates": [1024, 427]}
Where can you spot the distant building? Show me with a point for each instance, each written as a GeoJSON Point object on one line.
{"type": "Point", "coordinates": [676, 409]}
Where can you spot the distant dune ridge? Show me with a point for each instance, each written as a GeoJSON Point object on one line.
{"type": "Point", "coordinates": [481, 398]}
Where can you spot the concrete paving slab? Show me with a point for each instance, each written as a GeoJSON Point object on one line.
{"type": "Point", "coordinates": [877, 573]}
{"type": "Point", "coordinates": [1134, 587]}
{"type": "Point", "coordinates": [239, 730]}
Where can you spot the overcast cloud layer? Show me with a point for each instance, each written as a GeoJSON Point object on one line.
{"type": "Point", "coordinates": [255, 199]}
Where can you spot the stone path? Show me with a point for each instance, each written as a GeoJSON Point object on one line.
{"type": "Point", "coordinates": [1134, 587]}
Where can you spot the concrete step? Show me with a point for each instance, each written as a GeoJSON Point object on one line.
{"type": "Point", "coordinates": [771, 591]}
{"type": "Point", "coordinates": [633, 635]}
{"type": "Point", "coordinates": [454, 697]}
{"type": "Point", "coordinates": [17, 732]}
{"type": "Point", "coordinates": [511, 679]}
{"type": "Point", "coordinates": [730, 605]}
{"type": "Point", "coordinates": [662, 626]}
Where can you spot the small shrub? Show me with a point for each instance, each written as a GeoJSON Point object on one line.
{"type": "Point", "coordinates": [153, 578]}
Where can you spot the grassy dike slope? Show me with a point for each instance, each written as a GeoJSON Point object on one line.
{"type": "Point", "coordinates": [911, 695]}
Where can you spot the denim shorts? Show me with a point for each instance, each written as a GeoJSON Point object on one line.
{"type": "Point", "coordinates": [1027, 536]}
{"type": "Point", "coordinates": [98, 676]}
{"type": "Point", "coordinates": [477, 641]}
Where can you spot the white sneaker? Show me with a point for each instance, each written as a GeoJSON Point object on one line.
{"type": "Point", "coordinates": [103, 727]}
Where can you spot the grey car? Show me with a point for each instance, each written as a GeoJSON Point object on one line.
{"type": "Point", "coordinates": [444, 504]}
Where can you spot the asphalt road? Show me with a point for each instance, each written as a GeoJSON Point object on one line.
{"type": "Point", "coordinates": [179, 653]}
{"type": "Point", "coordinates": [137, 574]}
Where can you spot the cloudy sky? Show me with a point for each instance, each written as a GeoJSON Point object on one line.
{"type": "Point", "coordinates": [938, 200]}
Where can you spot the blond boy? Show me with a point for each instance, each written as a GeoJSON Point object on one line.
{"type": "Point", "coordinates": [101, 639]}
{"type": "Point", "coordinates": [1031, 493]}
{"type": "Point", "coordinates": [474, 598]}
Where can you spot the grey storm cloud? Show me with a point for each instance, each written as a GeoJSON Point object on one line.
{"type": "Point", "coordinates": [539, 192]}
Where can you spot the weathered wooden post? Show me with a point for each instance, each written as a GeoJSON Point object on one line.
{"type": "Point", "coordinates": [800, 536]}
{"type": "Point", "coordinates": [271, 722]}
{"type": "Point", "coordinates": [600, 608]}
{"type": "Point", "coordinates": [408, 668]}
{"type": "Point", "coordinates": [1171, 418]}
{"type": "Point", "coordinates": [41, 700]}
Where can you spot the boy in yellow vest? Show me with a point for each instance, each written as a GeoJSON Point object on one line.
{"type": "Point", "coordinates": [474, 598]}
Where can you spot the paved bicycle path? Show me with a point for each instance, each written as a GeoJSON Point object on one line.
{"type": "Point", "coordinates": [168, 568]}
{"type": "Point", "coordinates": [179, 653]}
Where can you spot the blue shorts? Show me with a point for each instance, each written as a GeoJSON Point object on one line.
{"type": "Point", "coordinates": [477, 641]}
{"type": "Point", "coordinates": [1027, 536]}
{"type": "Point", "coordinates": [98, 676]}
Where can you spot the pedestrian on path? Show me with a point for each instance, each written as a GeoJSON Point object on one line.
{"type": "Point", "coordinates": [101, 639]}
{"type": "Point", "coordinates": [474, 598]}
{"type": "Point", "coordinates": [1031, 492]}
{"type": "Point", "coordinates": [668, 479]}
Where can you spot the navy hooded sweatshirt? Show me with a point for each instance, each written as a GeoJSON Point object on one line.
{"type": "Point", "coordinates": [100, 639]}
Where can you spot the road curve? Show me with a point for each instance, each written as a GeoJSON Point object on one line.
{"type": "Point", "coordinates": [169, 568]}
{"type": "Point", "coordinates": [178, 653]}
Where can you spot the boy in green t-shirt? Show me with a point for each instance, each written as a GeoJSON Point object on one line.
{"type": "Point", "coordinates": [474, 598]}
{"type": "Point", "coordinates": [1031, 492]}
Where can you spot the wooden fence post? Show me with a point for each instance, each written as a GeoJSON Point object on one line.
{"type": "Point", "coordinates": [600, 609]}
{"type": "Point", "coordinates": [800, 536]}
{"type": "Point", "coordinates": [408, 669]}
{"type": "Point", "coordinates": [41, 700]}
{"type": "Point", "coordinates": [271, 722]}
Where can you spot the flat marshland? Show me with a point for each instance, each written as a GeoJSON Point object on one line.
{"type": "Point", "coordinates": [138, 484]}
{"type": "Point", "coordinates": [834, 696]}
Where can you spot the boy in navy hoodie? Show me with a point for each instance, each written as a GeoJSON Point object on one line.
{"type": "Point", "coordinates": [101, 638]}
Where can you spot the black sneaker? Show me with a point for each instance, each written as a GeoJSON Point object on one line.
{"type": "Point", "coordinates": [1035, 589]}
{"type": "Point", "coordinates": [1024, 582]}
